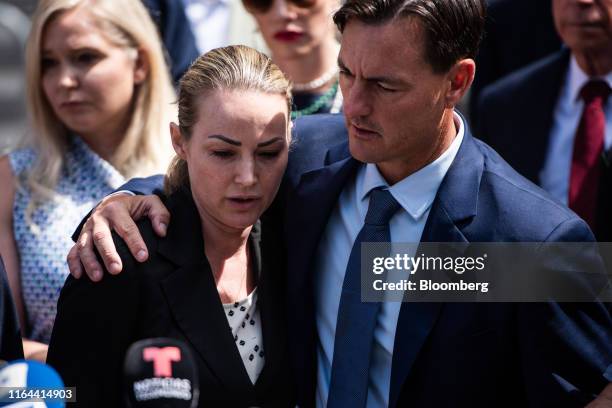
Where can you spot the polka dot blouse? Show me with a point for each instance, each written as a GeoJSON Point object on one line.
{"type": "Point", "coordinates": [245, 321]}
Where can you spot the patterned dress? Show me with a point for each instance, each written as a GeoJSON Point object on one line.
{"type": "Point", "coordinates": [85, 179]}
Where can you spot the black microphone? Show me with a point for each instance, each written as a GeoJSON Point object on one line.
{"type": "Point", "coordinates": [160, 372]}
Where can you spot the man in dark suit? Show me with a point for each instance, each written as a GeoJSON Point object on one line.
{"type": "Point", "coordinates": [410, 171]}
{"type": "Point", "coordinates": [552, 121]}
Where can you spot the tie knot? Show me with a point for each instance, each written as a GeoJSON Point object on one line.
{"type": "Point", "coordinates": [381, 208]}
{"type": "Point", "coordinates": [594, 89]}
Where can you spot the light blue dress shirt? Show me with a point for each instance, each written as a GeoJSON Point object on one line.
{"type": "Point", "coordinates": [415, 194]}
{"type": "Point", "coordinates": [555, 175]}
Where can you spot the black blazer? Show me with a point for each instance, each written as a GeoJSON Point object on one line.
{"type": "Point", "coordinates": [10, 336]}
{"type": "Point", "coordinates": [172, 294]}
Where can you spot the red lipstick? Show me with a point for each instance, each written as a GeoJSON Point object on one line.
{"type": "Point", "coordinates": [288, 36]}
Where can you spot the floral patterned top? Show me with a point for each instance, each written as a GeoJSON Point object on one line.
{"type": "Point", "coordinates": [44, 243]}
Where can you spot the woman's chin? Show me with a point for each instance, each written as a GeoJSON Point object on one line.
{"type": "Point", "coordinates": [240, 221]}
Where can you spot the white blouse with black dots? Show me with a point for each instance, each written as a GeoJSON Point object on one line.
{"type": "Point", "coordinates": [245, 322]}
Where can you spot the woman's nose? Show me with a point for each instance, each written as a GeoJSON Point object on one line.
{"type": "Point", "coordinates": [246, 174]}
{"type": "Point", "coordinates": [284, 10]}
{"type": "Point", "coordinates": [68, 77]}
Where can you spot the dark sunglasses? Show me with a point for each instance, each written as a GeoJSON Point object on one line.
{"type": "Point", "coordinates": [262, 6]}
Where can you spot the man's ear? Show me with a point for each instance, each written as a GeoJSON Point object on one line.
{"type": "Point", "coordinates": [178, 141]}
{"type": "Point", "coordinates": [460, 78]}
{"type": "Point", "coordinates": [141, 67]}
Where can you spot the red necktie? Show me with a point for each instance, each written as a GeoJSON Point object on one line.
{"type": "Point", "coordinates": [588, 147]}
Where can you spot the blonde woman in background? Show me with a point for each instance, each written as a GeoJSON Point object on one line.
{"type": "Point", "coordinates": [99, 98]}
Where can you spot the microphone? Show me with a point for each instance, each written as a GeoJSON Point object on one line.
{"type": "Point", "coordinates": [25, 380]}
{"type": "Point", "coordinates": [160, 372]}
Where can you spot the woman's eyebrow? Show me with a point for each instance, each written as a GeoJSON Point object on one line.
{"type": "Point", "coordinates": [226, 139]}
{"type": "Point", "coordinates": [237, 143]}
{"type": "Point", "coordinates": [269, 142]}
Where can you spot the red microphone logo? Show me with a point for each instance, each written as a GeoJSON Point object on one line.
{"type": "Point", "coordinates": [162, 358]}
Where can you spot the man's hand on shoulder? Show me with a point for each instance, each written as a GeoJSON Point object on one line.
{"type": "Point", "coordinates": [117, 212]}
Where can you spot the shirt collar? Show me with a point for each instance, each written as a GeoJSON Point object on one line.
{"type": "Point", "coordinates": [416, 192]}
{"type": "Point", "coordinates": [577, 78]}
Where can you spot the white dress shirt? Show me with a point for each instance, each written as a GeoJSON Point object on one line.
{"type": "Point", "coordinates": [555, 175]}
{"type": "Point", "coordinates": [415, 194]}
{"type": "Point", "coordinates": [210, 21]}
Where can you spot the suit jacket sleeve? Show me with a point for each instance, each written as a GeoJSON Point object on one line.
{"type": "Point", "coordinates": [144, 186]}
{"type": "Point", "coordinates": [93, 329]}
{"type": "Point", "coordinates": [139, 186]}
{"type": "Point", "coordinates": [567, 347]}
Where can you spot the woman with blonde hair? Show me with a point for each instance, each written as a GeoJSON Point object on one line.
{"type": "Point", "coordinates": [99, 98]}
{"type": "Point", "coordinates": [215, 280]}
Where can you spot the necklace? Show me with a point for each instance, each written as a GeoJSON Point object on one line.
{"type": "Point", "coordinates": [332, 93]}
{"type": "Point", "coordinates": [317, 82]}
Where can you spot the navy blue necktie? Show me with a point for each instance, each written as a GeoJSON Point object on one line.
{"type": "Point", "coordinates": [357, 320]}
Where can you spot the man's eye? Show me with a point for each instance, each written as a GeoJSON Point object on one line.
{"type": "Point", "coordinates": [344, 71]}
{"type": "Point", "coordinates": [384, 88]}
{"type": "Point", "coordinates": [222, 154]}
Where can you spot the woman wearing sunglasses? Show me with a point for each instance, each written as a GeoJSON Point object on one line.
{"type": "Point", "coordinates": [302, 40]}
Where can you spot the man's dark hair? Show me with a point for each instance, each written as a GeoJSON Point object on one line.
{"type": "Point", "coordinates": [453, 28]}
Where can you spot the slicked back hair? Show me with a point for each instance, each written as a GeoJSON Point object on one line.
{"type": "Point", "coordinates": [453, 28]}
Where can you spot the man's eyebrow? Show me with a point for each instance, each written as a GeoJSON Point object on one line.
{"type": "Point", "coordinates": [383, 79]}
{"type": "Point", "coordinates": [269, 142]}
{"type": "Point", "coordinates": [226, 139]}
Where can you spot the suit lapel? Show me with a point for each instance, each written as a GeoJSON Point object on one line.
{"type": "Point", "coordinates": [314, 201]}
{"type": "Point", "coordinates": [274, 337]}
{"type": "Point", "coordinates": [192, 296]}
{"type": "Point", "coordinates": [193, 299]}
{"type": "Point", "coordinates": [455, 203]}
